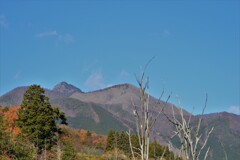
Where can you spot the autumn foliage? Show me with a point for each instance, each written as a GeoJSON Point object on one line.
{"type": "Point", "coordinates": [82, 138]}
{"type": "Point", "coordinates": [93, 139]}
{"type": "Point", "coordinates": [9, 120]}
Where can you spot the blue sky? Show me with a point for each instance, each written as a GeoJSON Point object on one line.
{"type": "Point", "coordinates": [95, 44]}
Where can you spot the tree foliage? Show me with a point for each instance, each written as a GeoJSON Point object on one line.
{"type": "Point", "coordinates": [120, 141]}
{"type": "Point", "coordinates": [4, 138]}
{"type": "Point", "coordinates": [110, 141]}
{"type": "Point", "coordinates": [69, 152]}
{"type": "Point", "coordinates": [12, 143]}
{"type": "Point", "coordinates": [38, 119]}
{"type": "Point", "coordinates": [9, 120]}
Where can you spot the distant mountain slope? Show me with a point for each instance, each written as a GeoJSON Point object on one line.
{"type": "Point", "coordinates": [15, 96]}
{"type": "Point", "coordinates": [226, 132]}
{"type": "Point", "coordinates": [119, 100]}
{"type": "Point", "coordinates": [225, 136]}
{"type": "Point", "coordinates": [124, 94]}
{"type": "Point", "coordinates": [88, 116]}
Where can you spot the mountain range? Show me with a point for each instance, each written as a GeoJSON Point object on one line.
{"type": "Point", "coordinates": [112, 108]}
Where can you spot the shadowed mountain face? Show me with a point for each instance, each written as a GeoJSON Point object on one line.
{"type": "Point", "coordinates": [111, 108]}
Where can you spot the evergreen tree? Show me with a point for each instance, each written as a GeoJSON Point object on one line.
{"type": "Point", "coordinates": [13, 147]}
{"type": "Point", "coordinates": [89, 134]}
{"type": "Point", "coordinates": [120, 141]}
{"type": "Point", "coordinates": [123, 143]}
{"type": "Point", "coordinates": [69, 153]}
{"type": "Point", "coordinates": [168, 155]}
{"type": "Point", "coordinates": [88, 138]}
{"type": "Point", "coordinates": [135, 144]}
{"type": "Point", "coordinates": [117, 140]}
{"type": "Point", "coordinates": [37, 118]}
{"type": "Point", "coordinates": [179, 158]}
{"type": "Point", "coordinates": [5, 144]}
{"type": "Point", "coordinates": [110, 141]}
{"type": "Point", "coordinates": [155, 150]}
{"type": "Point", "coordinates": [22, 148]}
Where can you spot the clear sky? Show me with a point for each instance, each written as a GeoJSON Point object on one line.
{"type": "Point", "coordinates": [95, 44]}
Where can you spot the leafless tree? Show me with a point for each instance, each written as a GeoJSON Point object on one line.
{"type": "Point", "coordinates": [144, 120]}
{"type": "Point", "coordinates": [190, 137]}
{"type": "Point", "coordinates": [59, 151]}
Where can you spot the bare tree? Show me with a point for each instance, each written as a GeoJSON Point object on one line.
{"type": "Point", "coordinates": [144, 120]}
{"type": "Point", "coordinates": [190, 137]}
{"type": "Point", "coordinates": [59, 151]}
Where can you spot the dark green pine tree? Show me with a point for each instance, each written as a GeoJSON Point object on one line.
{"type": "Point", "coordinates": [38, 119]}
{"type": "Point", "coordinates": [110, 141]}
{"type": "Point", "coordinates": [179, 158]}
{"type": "Point", "coordinates": [155, 150]}
{"type": "Point", "coordinates": [123, 143]}
{"type": "Point", "coordinates": [168, 155]}
{"type": "Point", "coordinates": [4, 139]}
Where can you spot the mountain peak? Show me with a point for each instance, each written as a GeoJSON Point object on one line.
{"type": "Point", "coordinates": [65, 88]}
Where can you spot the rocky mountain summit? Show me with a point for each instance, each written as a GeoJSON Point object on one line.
{"type": "Point", "coordinates": [65, 88]}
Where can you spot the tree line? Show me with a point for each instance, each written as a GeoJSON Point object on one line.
{"type": "Point", "coordinates": [118, 143]}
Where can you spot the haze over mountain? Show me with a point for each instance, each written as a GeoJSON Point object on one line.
{"type": "Point", "coordinates": [111, 108]}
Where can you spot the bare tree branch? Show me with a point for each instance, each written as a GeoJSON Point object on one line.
{"type": "Point", "coordinates": [189, 138]}
{"type": "Point", "coordinates": [144, 120]}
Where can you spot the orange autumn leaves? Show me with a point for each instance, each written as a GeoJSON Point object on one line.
{"type": "Point", "coordinates": [81, 138]}
{"type": "Point", "coordinates": [92, 138]}
{"type": "Point", "coordinates": [9, 120]}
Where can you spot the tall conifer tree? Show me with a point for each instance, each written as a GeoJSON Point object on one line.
{"type": "Point", "coordinates": [37, 118]}
{"type": "Point", "coordinates": [110, 141]}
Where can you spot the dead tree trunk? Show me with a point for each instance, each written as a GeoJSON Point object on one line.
{"type": "Point", "coordinates": [144, 120]}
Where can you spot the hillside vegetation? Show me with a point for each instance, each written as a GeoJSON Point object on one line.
{"type": "Point", "coordinates": [75, 144]}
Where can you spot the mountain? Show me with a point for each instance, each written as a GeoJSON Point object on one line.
{"type": "Point", "coordinates": [88, 116]}
{"type": "Point", "coordinates": [66, 89]}
{"type": "Point", "coordinates": [15, 96]}
{"type": "Point", "coordinates": [225, 136]}
{"type": "Point", "coordinates": [116, 100]}
{"type": "Point", "coordinates": [111, 107]}
{"type": "Point", "coordinates": [119, 99]}
{"type": "Point", "coordinates": [80, 114]}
